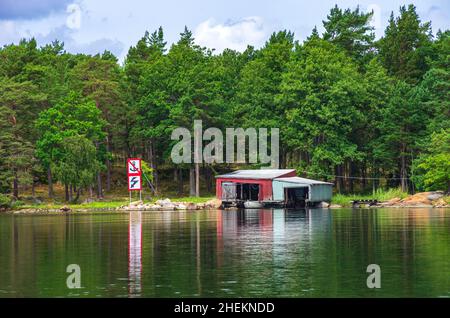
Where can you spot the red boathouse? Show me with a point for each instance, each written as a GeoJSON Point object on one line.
{"type": "Point", "coordinates": [253, 185]}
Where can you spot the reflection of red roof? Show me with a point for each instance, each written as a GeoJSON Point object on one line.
{"type": "Point", "coordinates": [259, 174]}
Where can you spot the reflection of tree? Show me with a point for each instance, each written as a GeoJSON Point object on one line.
{"type": "Point", "coordinates": [226, 253]}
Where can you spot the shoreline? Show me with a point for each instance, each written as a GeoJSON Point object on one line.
{"type": "Point", "coordinates": [76, 211]}
{"type": "Point", "coordinates": [435, 199]}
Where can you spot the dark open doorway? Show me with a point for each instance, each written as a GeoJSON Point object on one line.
{"type": "Point", "coordinates": [296, 197]}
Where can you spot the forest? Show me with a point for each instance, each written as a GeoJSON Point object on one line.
{"type": "Point", "coordinates": [359, 112]}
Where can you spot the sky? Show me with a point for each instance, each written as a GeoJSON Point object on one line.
{"type": "Point", "coordinates": [92, 26]}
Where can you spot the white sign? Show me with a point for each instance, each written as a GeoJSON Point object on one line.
{"type": "Point", "coordinates": [134, 166]}
{"type": "Point", "coordinates": [134, 183]}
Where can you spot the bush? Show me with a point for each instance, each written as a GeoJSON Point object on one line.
{"type": "Point", "coordinates": [380, 195]}
{"type": "Point", "coordinates": [5, 201]}
{"type": "Point", "coordinates": [16, 203]}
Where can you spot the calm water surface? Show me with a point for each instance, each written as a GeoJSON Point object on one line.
{"type": "Point", "coordinates": [256, 253]}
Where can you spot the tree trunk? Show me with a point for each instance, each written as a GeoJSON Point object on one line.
{"type": "Point", "coordinates": [78, 195]}
{"type": "Point", "coordinates": [339, 180]}
{"type": "Point", "coordinates": [350, 176]}
{"type": "Point", "coordinates": [99, 186]}
{"type": "Point", "coordinates": [208, 178]}
{"type": "Point", "coordinates": [197, 180]}
{"type": "Point", "coordinates": [108, 164]}
{"type": "Point", "coordinates": [363, 176]}
{"type": "Point", "coordinates": [50, 183]}
{"type": "Point", "coordinates": [15, 185]}
{"type": "Point", "coordinates": [33, 189]}
{"type": "Point", "coordinates": [403, 174]}
{"type": "Point", "coordinates": [191, 181]}
{"type": "Point", "coordinates": [108, 175]}
{"type": "Point", "coordinates": [70, 193]}
{"type": "Point", "coordinates": [152, 158]}
{"type": "Point", "coordinates": [66, 191]}
{"type": "Point", "coordinates": [180, 181]}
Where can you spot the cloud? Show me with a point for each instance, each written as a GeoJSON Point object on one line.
{"type": "Point", "coordinates": [30, 9]}
{"type": "Point", "coordinates": [439, 18]}
{"type": "Point", "coordinates": [65, 34]}
{"type": "Point", "coordinates": [232, 35]}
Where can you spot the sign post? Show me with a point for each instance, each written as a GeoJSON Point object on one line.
{"type": "Point", "coordinates": [134, 175]}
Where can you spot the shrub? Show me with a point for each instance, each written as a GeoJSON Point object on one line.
{"type": "Point", "coordinates": [5, 201]}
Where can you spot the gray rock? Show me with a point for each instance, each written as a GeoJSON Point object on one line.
{"type": "Point", "coordinates": [323, 204]}
{"type": "Point", "coordinates": [435, 195]}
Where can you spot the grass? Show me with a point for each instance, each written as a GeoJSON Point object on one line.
{"type": "Point", "coordinates": [104, 204]}
{"type": "Point", "coordinates": [90, 205]}
{"type": "Point", "coordinates": [380, 195]}
{"type": "Point", "coordinates": [193, 199]}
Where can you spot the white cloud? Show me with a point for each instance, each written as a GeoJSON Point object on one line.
{"type": "Point", "coordinates": [232, 35]}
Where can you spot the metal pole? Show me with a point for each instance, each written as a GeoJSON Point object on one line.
{"type": "Point", "coordinates": [130, 196]}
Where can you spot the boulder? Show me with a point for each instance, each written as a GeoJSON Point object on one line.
{"type": "Point", "coordinates": [163, 202]}
{"type": "Point", "coordinates": [418, 199]}
{"type": "Point", "coordinates": [214, 203]}
{"type": "Point", "coordinates": [155, 207]}
{"type": "Point", "coordinates": [136, 203]}
{"type": "Point", "coordinates": [335, 206]}
{"type": "Point", "coordinates": [390, 202]}
{"type": "Point", "coordinates": [191, 206]}
{"type": "Point", "coordinates": [323, 204]}
{"type": "Point", "coordinates": [181, 206]}
{"type": "Point", "coordinates": [65, 208]}
{"type": "Point", "coordinates": [435, 195]}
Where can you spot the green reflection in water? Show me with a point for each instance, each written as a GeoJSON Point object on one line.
{"type": "Point", "coordinates": [256, 253]}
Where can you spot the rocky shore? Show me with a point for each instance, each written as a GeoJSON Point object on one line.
{"type": "Point", "coordinates": [434, 199]}
{"type": "Point", "coordinates": [168, 205]}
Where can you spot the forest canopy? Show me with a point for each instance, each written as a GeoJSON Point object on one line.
{"type": "Point", "coordinates": [360, 112]}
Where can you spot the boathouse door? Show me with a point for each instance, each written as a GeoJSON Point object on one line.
{"type": "Point", "coordinates": [296, 197]}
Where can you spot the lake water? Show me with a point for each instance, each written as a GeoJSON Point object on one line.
{"type": "Point", "coordinates": [252, 253]}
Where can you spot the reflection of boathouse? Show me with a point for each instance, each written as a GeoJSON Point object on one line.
{"type": "Point", "coordinates": [270, 187]}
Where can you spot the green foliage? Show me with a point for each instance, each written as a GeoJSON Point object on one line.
{"type": "Point", "coordinates": [433, 166]}
{"type": "Point", "coordinates": [5, 201]}
{"type": "Point", "coordinates": [78, 164]}
{"type": "Point", "coordinates": [346, 105]}
{"type": "Point", "coordinates": [351, 31]}
{"type": "Point", "coordinates": [406, 45]}
{"type": "Point", "coordinates": [321, 94]}
{"type": "Point", "coordinates": [147, 170]}
{"type": "Point", "coordinates": [380, 195]}
{"type": "Point", "coordinates": [70, 133]}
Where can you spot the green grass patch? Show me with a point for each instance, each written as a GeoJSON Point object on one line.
{"type": "Point", "coordinates": [192, 199]}
{"type": "Point", "coordinates": [90, 205]}
{"type": "Point", "coordinates": [380, 195]}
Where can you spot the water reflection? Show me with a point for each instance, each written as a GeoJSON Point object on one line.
{"type": "Point", "coordinates": [292, 253]}
{"type": "Point", "coordinates": [135, 253]}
